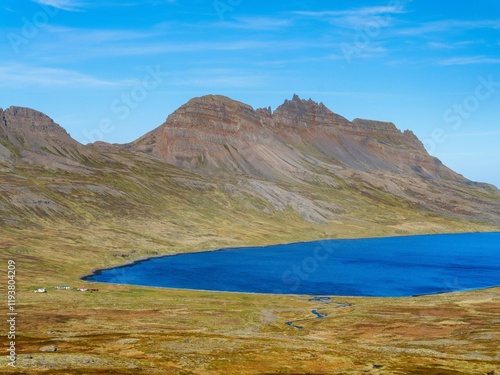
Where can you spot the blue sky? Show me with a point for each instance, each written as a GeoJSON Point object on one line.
{"type": "Point", "coordinates": [113, 70]}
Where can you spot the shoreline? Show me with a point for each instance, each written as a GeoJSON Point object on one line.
{"type": "Point", "coordinates": [132, 263]}
{"type": "Point", "coordinates": [295, 294]}
{"type": "Point", "coordinates": [96, 271]}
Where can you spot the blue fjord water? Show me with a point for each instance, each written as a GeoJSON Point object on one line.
{"type": "Point", "coordinates": [382, 267]}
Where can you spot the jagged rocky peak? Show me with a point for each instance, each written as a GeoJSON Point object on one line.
{"type": "Point", "coordinates": [307, 113]}
{"type": "Point", "coordinates": [300, 107]}
{"type": "Point", "coordinates": [213, 133]}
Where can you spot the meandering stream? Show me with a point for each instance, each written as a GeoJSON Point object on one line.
{"type": "Point", "coordinates": [319, 315]}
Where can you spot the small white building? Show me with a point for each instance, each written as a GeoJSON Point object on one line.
{"type": "Point", "coordinates": [40, 290]}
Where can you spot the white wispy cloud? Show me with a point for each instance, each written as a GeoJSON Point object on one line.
{"type": "Point", "coordinates": [371, 51]}
{"type": "Point", "coordinates": [75, 44]}
{"type": "Point", "coordinates": [67, 5]}
{"type": "Point", "coordinates": [290, 61]}
{"type": "Point", "coordinates": [449, 25]}
{"type": "Point", "coordinates": [354, 18]}
{"type": "Point", "coordinates": [364, 11]}
{"type": "Point", "coordinates": [167, 48]}
{"type": "Point", "coordinates": [453, 45]}
{"type": "Point", "coordinates": [469, 60]}
{"type": "Point", "coordinates": [256, 23]}
{"type": "Point", "coordinates": [221, 78]}
{"type": "Point", "coordinates": [93, 36]}
{"type": "Point", "coordinates": [21, 75]}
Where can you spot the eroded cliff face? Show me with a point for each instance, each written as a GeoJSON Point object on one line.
{"type": "Point", "coordinates": [29, 136]}
{"type": "Point", "coordinates": [302, 147]}
{"type": "Point", "coordinates": [214, 134]}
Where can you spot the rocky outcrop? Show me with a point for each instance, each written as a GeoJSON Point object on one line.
{"type": "Point", "coordinates": [306, 114]}
{"type": "Point", "coordinates": [27, 135]}
{"type": "Point", "coordinates": [32, 130]}
{"type": "Point", "coordinates": [301, 143]}
{"type": "Point", "coordinates": [386, 132]}
{"type": "Point", "coordinates": [210, 134]}
{"type": "Point", "coordinates": [214, 134]}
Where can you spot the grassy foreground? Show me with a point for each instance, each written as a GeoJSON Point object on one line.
{"type": "Point", "coordinates": [138, 330]}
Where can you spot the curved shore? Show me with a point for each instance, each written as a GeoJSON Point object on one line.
{"type": "Point", "coordinates": [312, 255]}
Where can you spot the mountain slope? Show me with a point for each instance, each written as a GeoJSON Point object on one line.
{"type": "Point", "coordinates": [213, 134]}
{"type": "Point", "coordinates": [302, 146]}
{"type": "Point", "coordinates": [216, 159]}
{"type": "Point", "coordinates": [29, 136]}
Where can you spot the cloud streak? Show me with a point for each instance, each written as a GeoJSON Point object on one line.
{"type": "Point", "coordinates": [449, 25]}
{"type": "Point", "coordinates": [67, 5]}
{"type": "Point", "coordinates": [356, 18]}
{"type": "Point", "coordinates": [257, 23]}
{"type": "Point", "coordinates": [469, 60]}
{"type": "Point", "coordinates": [26, 76]}
{"type": "Point", "coordinates": [453, 45]}
{"type": "Point", "coordinates": [365, 11]}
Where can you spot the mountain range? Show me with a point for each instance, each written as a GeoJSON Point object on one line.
{"type": "Point", "coordinates": [215, 159]}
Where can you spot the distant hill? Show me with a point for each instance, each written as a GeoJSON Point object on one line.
{"type": "Point", "coordinates": [29, 136]}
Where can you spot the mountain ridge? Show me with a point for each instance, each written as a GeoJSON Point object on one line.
{"type": "Point", "coordinates": [301, 159]}
{"type": "Point", "coordinates": [220, 122]}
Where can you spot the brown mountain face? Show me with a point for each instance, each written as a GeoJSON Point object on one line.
{"type": "Point", "coordinates": [301, 164]}
{"type": "Point", "coordinates": [30, 136]}
{"type": "Point", "coordinates": [285, 155]}
{"type": "Point", "coordinates": [215, 134]}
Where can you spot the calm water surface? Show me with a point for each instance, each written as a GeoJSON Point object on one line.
{"type": "Point", "coordinates": [384, 267]}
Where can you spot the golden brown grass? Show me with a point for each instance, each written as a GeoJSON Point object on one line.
{"type": "Point", "coordinates": [128, 330]}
